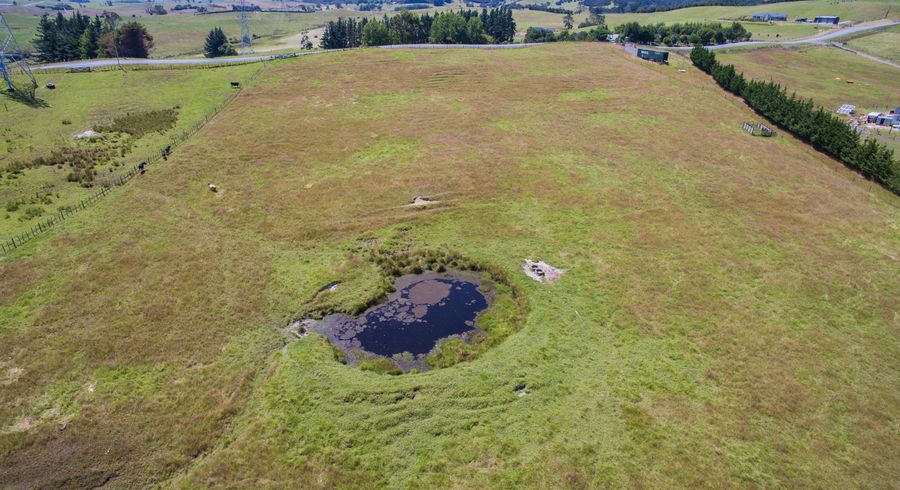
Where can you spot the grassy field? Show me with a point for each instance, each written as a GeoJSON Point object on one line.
{"type": "Point", "coordinates": [857, 11]}
{"type": "Point", "coordinates": [81, 102]}
{"type": "Point", "coordinates": [884, 44]}
{"type": "Point", "coordinates": [830, 76]}
{"type": "Point", "coordinates": [180, 35]}
{"type": "Point", "coordinates": [727, 318]}
{"type": "Point", "coordinates": [849, 10]}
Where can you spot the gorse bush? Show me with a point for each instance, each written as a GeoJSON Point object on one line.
{"type": "Point", "coordinates": [814, 125]}
{"type": "Point", "coordinates": [138, 124]}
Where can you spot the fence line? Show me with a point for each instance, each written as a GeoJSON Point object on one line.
{"type": "Point", "coordinates": [154, 67]}
{"type": "Point", "coordinates": [109, 183]}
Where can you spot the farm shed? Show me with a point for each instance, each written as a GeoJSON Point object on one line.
{"type": "Point", "coordinates": [770, 16]}
{"type": "Point", "coordinates": [653, 55]}
{"type": "Point", "coordinates": [826, 19]}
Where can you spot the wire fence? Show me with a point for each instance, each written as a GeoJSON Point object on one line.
{"type": "Point", "coordinates": [110, 182]}
{"type": "Point", "coordinates": [147, 67]}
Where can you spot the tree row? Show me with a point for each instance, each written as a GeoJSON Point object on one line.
{"type": "Point", "coordinates": [463, 27]}
{"type": "Point", "coordinates": [814, 125]}
{"type": "Point", "coordinates": [80, 37]}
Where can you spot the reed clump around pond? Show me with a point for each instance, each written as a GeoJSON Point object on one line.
{"type": "Point", "coordinates": [504, 316]}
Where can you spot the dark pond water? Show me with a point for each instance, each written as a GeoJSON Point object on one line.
{"type": "Point", "coordinates": [426, 312]}
{"type": "Point", "coordinates": [424, 309]}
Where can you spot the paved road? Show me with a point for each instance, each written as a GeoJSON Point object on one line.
{"type": "Point", "coordinates": [864, 55]}
{"type": "Point", "coordinates": [244, 59]}
{"type": "Point", "coordinates": [190, 61]}
{"type": "Point", "coordinates": [809, 40]}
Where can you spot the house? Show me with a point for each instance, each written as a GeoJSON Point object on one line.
{"type": "Point", "coordinates": [826, 19]}
{"type": "Point", "coordinates": [653, 55]}
{"type": "Point", "coordinates": [769, 16]}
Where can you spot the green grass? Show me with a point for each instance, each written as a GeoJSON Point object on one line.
{"type": "Point", "coordinates": [858, 11]}
{"type": "Point", "coordinates": [180, 35]}
{"type": "Point", "coordinates": [84, 101]}
{"type": "Point", "coordinates": [727, 318]}
{"type": "Point", "coordinates": [830, 76]}
{"type": "Point", "coordinates": [848, 10]}
{"type": "Point", "coordinates": [885, 44]}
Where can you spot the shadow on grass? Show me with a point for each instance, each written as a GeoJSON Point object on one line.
{"type": "Point", "coordinates": [29, 99]}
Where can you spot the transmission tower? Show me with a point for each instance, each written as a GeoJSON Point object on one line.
{"type": "Point", "coordinates": [246, 37]}
{"type": "Point", "coordinates": [12, 58]}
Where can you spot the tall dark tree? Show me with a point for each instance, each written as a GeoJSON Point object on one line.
{"type": "Point", "coordinates": [134, 41]}
{"type": "Point", "coordinates": [217, 44]}
{"type": "Point", "coordinates": [62, 39]}
{"type": "Point", "coordinates": [568, 21]}
{"type": "Point", "coordinates": [47, 40]}
{"type": "Point", "coordinates": [88, 45]}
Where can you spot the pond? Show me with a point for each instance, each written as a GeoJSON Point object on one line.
{"type": "Point", "coordinates": [424, 309]}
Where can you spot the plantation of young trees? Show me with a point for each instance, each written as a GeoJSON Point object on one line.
{"type": "Point", "coordinates": [463, 27]}
{"type": "Point", "coordinates": [80, 37]}
{"type": "Point", "coordinates": [687, 34]}
{"type": "Point", "coordinates": [815, 125]}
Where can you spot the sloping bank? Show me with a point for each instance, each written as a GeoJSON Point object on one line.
{"type": "Point", "coordinates": [814, 125]}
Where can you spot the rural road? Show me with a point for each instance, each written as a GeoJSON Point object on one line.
{"type": "Point", "coordinates": [244, 59]}
{"type": "Point", "coordinates": [809, 40]}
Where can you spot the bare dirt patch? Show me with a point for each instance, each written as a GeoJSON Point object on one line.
{"type": "Point", "coordinates": [541, 271]}
{"type": "Point", "coordinates": [12, 375]}
{"type": "Point", "coordinates": [420, 201]}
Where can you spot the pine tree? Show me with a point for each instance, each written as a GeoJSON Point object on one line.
{"type": "Point", "coordinates": [88, 47]}
{"type": "Point", "coordinates": [216, 44]}
{"type": "Point", "coordinates": [46, 41]}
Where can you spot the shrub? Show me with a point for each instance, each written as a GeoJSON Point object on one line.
{"type": "Point", "coordinates": [32, 212]}
{"type": "Point", "coordinates": [138, 124]}
{"type": "Point", "coordinates": [380, 365]}
{"type": "Point", "coordinates": [450, 352]}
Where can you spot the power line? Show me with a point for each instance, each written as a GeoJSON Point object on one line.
{"type": "Point", "coordinates": [12, 58]}
{"type": "Point", "coordinates": [246, 37]}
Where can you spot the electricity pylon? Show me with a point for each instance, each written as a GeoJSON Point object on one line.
{"type": "Point", "coordinates": [246, 37]}
{"type": "Point", "coordinates": [12, 58]}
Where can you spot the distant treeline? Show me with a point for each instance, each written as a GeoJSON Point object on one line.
{"type": "Point", "coordinates": [80, 37]}
{"type": "Point", "coordinates": [814, 125]}
{"type": "Point", "coordinates": [687, 34]}
{"type": "Point", "coordinates": [540, 8]}
{"type": "Point", "coordinates": [543, 35]}
{"type": "Point", "coordinates": [643, 6]}
{"type": "Point", "coordinates": [463, 27]}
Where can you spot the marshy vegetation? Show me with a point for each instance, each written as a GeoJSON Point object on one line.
{"type": "Point", "coordinates": [506, 313]}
